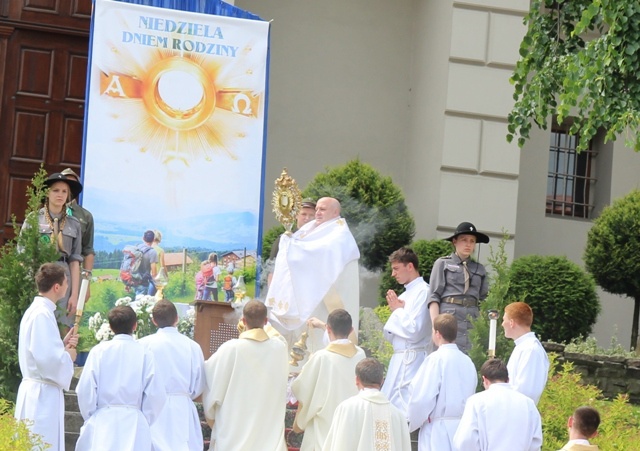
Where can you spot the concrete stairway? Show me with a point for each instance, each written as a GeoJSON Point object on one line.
{"type": "Point", "coordinates": [72, 419]}
{"type": "Point", "coordinates": [73, 423]}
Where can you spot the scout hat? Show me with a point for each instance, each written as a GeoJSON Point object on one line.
{"type": "Point", "coordinates": [308, 203]}
{"type": "Point", "coordinates": [74, 187]}
{"type": "Point", "coordinates": [466, 228]}
{"type": "Point", "coordinates": [70, 172]}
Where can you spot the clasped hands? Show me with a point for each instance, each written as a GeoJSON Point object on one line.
{"type": "Point", "coordinates": [393, 300]}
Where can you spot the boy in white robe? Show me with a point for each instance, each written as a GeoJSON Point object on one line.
{"type": "Point", "coordinates": [499, 418]}
{"type": "Point", "coordinates": [368, 421]}
{"type": "Point", "coordinates": [245, 394]}
{"type": "Point", "coordinates": [528, 365]}
{"type": "Point", "coordinates": [408, 328]}
{"type": "Point", "coordinates": [119, 393]}
{"type": "Point", "coordinates": [441, 388]}
{"type": "Point", "coordinates": [583, 425]}
{"type": "Point", "coordinates": [178, 425]}
{"type": "Point", "coordinates": [325, 381]}
{"type": "Point", "coordinates": [46, 361]}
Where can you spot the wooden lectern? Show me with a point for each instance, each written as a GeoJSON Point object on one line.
{"type": "Point", "coordinates": [216, 323]}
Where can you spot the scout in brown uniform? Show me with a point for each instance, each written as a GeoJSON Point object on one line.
{"type": "Point", "coordinates": [457, 283]}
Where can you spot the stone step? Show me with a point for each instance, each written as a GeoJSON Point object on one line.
{"type": "Point", "coordinates": [71, 402]}
{"type": "Point", "coordinates": [73, 422]}
{"type": "Point", "coordinates": [293, 439]}
{"type": "Point", "coordinates": [70, 440]}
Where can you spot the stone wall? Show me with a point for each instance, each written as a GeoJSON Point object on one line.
{"type": "Point", "coordinates": [611, 374]}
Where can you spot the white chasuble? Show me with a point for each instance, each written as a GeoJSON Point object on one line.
{"type": "Point", "coordinates": [326, 380]}
{"type": "Point", "coordinates": [368, 422]}
{"type": "Point", "coordinates": [245, 393]}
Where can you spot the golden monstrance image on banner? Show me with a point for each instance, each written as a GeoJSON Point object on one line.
{"type": "Point", "coordinates": [175, 126]}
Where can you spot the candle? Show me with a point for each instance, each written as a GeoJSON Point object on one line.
{"type": "Point", "coordinates": [84, 286]}
{"type": "Point", "coordinates": [493, 320]}
{"type": "Point", "coordinates": [492, 337]}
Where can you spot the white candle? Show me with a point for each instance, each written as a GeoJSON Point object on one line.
{"type": "Point", "coordinates": [84, 286]}
{"type": "Point", "coordinates": [492, 337]}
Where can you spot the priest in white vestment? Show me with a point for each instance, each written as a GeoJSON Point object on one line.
{"type": "Point", "coordinates": [246, 389]}
{"type": "Point", "coordinates": [325, 381]}
{"type": "Point", "coordinates": [441, 388]}
{"type": "Point", "coordinates": [408, 329]}
{"type": "Point", "coordinates": [368, 421]}
{"type": "Point", "coordinates": [499, 418]}
{"type": "Point", "coordinates": [528, 365]}
{"type": "Point", "coordinates": [46, 361]}
{"type": "Point", "coordinates": [316, 272]}
{"type": "Point", "coordinates": [180, 367]}
{"type": "Point", "coordinates": [119, 393]}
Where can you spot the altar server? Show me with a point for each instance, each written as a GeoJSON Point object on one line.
{"type": "Point", "coordinates": [119, 393]}
{"type": "Point", "coordinates": [408, 328]}
{"type": "Point", "coordinates": [368, 421]}
{"type": "Point", "coordinates": [441, 388]}
{"type": "Point", "coordinates": [246, 390]}
{"type": "Point", "coordinates": [499, 418]}
{"type": "Point", "coordinates": [46, 361]}
{"type": "Point", "coordinates": [181, 369]}
{"type": "Point", "coordinates": [325, 381]}
{"type": "Point", "coordinates": [528, 365]}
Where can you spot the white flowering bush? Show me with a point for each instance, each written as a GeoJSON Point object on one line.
{"type": "Point", "coordinates": [100, 327]}
{"type": "Point", "coordinates": [143, 306]}
{"type": "Point", "coordinates": [186, 325]}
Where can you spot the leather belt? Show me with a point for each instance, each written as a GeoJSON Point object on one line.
{"type": "Point", "coordinates": [463, 300]}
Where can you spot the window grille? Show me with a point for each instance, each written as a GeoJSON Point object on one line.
{"type": "Point", "coordinates": [571, 177]}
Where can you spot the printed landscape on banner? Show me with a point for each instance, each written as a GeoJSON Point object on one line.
{"type": "Point", "coordinates": [174, 135]}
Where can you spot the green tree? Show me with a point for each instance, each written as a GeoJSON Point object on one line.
{"type": "Point", "coordinates": [20, 259]}
{"type": "Point", "coordinates": [561, 294]}
{"type": "Point", "coordinates": [269, 237]}
{"type": "Point", "coordinates": [579, 58]}
{"type": "Point", "coordinates": [373, 206]}
{"type": "Point", "coordinates": [612, 251]}
{"type": "Point", "coordinates": [428, 251]}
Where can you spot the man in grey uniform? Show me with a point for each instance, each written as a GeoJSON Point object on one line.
{"type": "Point", "coordinates": [457, 283]}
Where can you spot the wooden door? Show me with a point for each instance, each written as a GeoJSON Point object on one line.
{"type": "Point", "coordinates": [43, 77]}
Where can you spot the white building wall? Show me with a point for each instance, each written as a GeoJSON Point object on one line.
{"type": "Point", "coordinates": [338, 88]}
{"type": "Point", "coordinates": [419, 89]}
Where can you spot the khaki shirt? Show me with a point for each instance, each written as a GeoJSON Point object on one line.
{"type": "Point", "coordinates": [85, 218]}
{"type": "Point", "coordinates": [447, 279]}
{"type": "Point", "coordinates": [71, 236]}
